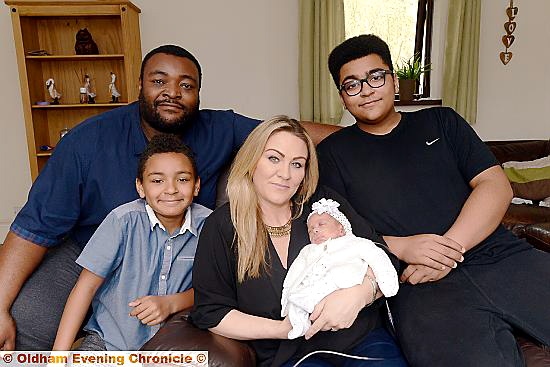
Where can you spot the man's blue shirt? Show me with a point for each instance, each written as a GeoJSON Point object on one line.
{"type": "Point", "coordinates": [93, 170]}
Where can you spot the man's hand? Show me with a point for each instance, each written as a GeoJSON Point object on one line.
{"type": "Point", "coordinates": [7, 331]}
{"type": "Point", "coordinates": [416, 274]}
{"type": "Point", "coordinates": [337, 311]}
{"type": "Point", "coordinates": [431, 250]}
{"type": "Point", "coordinates": [151, 310]}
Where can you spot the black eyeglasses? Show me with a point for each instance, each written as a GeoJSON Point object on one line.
{"type": "Point", "coordinates": [374, 79]}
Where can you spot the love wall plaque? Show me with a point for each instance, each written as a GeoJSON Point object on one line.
{"type": "Point", "coordinates": [510, 26]}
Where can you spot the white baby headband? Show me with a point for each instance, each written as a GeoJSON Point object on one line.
{"type": "Point", "coordinates": [330, 207]}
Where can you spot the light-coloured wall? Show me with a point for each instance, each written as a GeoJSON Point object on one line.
{"type": "Point", "coordinates": [514, 100]}
{"type": "Point", "coordinates": [14, 165]}
{"type": "Point", "coordinates": [249, 62]}
{"type": "Point", "coordinates": [248, 49]}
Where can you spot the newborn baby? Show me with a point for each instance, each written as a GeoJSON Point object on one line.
{"type": "Point", "coordinates": [335, 259]}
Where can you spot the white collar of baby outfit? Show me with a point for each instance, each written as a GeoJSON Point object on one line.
{"type": "Point", "coordinates": [153, 220]}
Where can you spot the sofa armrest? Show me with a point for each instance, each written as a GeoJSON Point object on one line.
{"type": "Point", "coordinates": [525, 214]}
{"type": "Point", "coordinates": [539, 235]}
{"type": "Point", "coordinates": [519, 216]}
{"type": "Point", "coordinates": [179, 334]}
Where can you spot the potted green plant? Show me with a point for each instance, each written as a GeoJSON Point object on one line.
{"type": "Point", "coordinates": [408, 73]}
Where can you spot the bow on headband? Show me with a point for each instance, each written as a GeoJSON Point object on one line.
{"type": "Point", "coordinates": [330, 207]}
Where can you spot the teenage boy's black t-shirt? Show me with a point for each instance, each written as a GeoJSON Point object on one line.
{"type": "Point", "coordinates": [414, 179]}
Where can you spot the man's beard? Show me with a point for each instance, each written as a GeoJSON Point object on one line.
{"type": "Point", "coordinates": [153, 118]}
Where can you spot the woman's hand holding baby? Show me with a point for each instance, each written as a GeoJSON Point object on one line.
{"type": "Point", "coordinates": [337, 311]}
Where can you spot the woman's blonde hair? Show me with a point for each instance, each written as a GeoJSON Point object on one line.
{"type": "Point", "coordinates": [250, 233]}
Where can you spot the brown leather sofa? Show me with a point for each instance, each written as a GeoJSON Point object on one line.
{"type": "Point", "coordinates": [530, 222]}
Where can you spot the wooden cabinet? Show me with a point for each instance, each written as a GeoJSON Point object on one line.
{"type": "Point", "coordinates": [51, 26]}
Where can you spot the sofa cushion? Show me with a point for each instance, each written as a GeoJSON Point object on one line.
{"type": "Point", "coordinates": [529, 179]}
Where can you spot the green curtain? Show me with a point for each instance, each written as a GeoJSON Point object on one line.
{"type": "Point", "coordinates": [321, 29]}
{"type": "Point", "coordinates": [462, 58]}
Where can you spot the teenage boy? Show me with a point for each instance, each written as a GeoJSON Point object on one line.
{"type": "Point", "coordinates": [432, 188]}
{"type": "Point", "coordinates": [137, 265]}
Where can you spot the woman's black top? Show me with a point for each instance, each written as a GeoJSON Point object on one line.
{"type": "Point", "coordinates": [217, 291]}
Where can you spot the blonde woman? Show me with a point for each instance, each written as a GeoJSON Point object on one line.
{"type": "Point", "coordinates": [247, 245]}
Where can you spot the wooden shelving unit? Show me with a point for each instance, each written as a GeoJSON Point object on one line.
{"type": "Point", "coordinates": [52, 26]}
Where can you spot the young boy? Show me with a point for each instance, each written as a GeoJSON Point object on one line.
{"type": "Point", "coordinates": [137, 265]}
{"type": "Point", "coordinates": [335, 259]}
{"type": "Point", "coordinates": [437, 195]}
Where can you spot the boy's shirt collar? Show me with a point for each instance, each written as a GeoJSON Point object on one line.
{"type": "Point", "coordinates": [187, 221]}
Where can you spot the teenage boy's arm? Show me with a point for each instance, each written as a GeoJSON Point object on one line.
{"type": "Point", "coordinates": [481, 213]}
{"type": "Point", "coordinates": [430, 250]}
{"type": "Point", "coordinates": [152, 310]}
{"type": "Point", "coordinates": [484, 209]}
{"type": "Point", "coordinates": [76, 308]}
{"type": "Point", "coordinates": [18, 259]}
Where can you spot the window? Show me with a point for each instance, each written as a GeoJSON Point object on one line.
{"type": "Point", "coordinates": [406, 25]}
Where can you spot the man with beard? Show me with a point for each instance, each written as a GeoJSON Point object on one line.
{"type": "Point", "coordinates": [92, 171]}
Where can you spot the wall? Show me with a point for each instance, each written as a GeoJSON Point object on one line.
{"type": "Point", "coordinates": [14, 163]}
{"type": "Point", "coordinates": [514, 100]}
{"type": "Point", "coordinates": [250, 60]}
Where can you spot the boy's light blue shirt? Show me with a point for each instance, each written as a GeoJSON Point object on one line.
{"type": "Point", "coordinates": [137, 257]}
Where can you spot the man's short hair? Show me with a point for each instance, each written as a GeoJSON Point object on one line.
{"type": "Point", "coordinates": [355, 48]}
{"type": "Point", "coordinates": [165, 143]}
{"type": "Point", "coordinates": [171, 50]}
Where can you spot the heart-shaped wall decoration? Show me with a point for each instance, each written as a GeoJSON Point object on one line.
{"type": "Point", "coordinates": [505, 57]}
{"type": "Point", "coordinates": [508, 40]}
{"type": "Point", "coordinates": [510, 27]}
{"type": "Point", "coordinates": [512, 12]}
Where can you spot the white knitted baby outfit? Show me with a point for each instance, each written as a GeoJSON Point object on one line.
{"type": "Point", "coordinates": [334, 264]}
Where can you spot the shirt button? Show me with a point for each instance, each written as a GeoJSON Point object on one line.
{"type": "Point", "coordinates": [163, 277]}
{"type": "Point", "coordinates": [168, 247]}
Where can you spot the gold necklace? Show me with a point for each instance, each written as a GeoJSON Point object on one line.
{"type": "Point", "coordinates": [281, 231]}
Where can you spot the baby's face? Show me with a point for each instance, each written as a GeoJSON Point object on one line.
{"type": "Point", "coordinates": [323, 227]}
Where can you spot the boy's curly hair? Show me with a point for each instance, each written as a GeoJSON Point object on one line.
{"type": "Point", "coordinates": [165, 143]}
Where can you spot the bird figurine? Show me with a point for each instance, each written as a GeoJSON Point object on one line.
{"type": "Point", "coordinates": [50, 85]}
{"type": "Point", "coordinates": [88, 86]}
{"type": "Point", "coordinates": [112, 89]}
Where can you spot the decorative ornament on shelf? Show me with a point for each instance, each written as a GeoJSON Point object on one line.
{"type": "Point", "coordinates": [509, 27]}
{"type": "Point", "coordinates": [89, 90]}
{"type": "Point", "coordinates": [85, 45]}
{"type": "Point", "coordinates": [112, 89]}
{"type": "Point", "coordinates": [50, 85]}
{"type": "Point", "coordinates": [63, 132]}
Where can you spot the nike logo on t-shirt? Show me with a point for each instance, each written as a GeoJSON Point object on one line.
{"type": "Point", "coordinates": [431, 142]}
